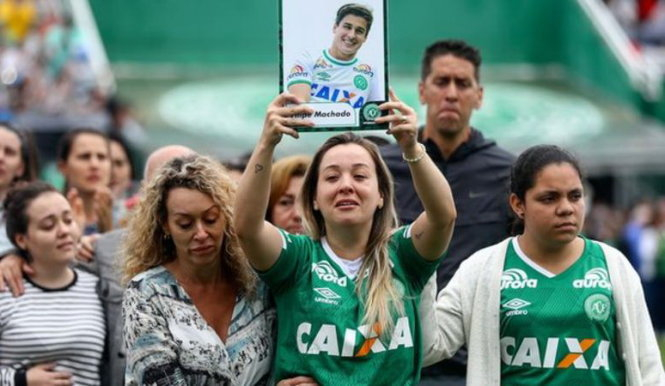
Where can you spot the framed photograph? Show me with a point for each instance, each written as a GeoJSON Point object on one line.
{"type": "Point", "coordinates": [333, 55]}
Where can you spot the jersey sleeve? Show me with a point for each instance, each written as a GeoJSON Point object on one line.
{"type": "Point", "coordinates": [152, 353]}
{"type": "Point", "coordinates": [416, 268]}
{"type": "Point", "coordinates": [301, 70]}
{"type": "Point", "coordinates": [291, 265]}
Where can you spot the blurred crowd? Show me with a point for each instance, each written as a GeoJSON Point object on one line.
{"type": "Point", "coordinates": [644, 23]}
{"type": "Point", "coordinates": [46, 79]}
{"type": "Point", "coordinates": [639, 232]}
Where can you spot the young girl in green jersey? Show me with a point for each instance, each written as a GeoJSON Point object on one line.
{"type": "Point", "coordinates": [547, 306]}
{"type": "Point", "coordinates": [347, 293]}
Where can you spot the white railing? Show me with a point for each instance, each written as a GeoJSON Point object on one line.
{"type": "Point", "coordinates": [644, 76]}
{"type": "Point", "coordinates": [99, 62]}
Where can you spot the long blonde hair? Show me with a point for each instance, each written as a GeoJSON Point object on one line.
{"type": "Point", "coordinates": [148, 246]}
{"type": "Point", "coordinates": [376, 290]}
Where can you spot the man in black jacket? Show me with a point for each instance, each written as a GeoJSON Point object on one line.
{"type": "Point", "coordinates": [477, 170]}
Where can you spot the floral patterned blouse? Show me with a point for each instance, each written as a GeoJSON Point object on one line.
{"type": "Point", "coordinates": [169, 343]}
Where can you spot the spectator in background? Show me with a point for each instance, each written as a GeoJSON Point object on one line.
{"type": "Point", "coordinates": [122, 168]}
{"type": "Point", "coordinates": [123, 123]}
{"type": "Point", "coordinates": [123, 184]}
{"type": "Point", "coordinates": [604, 223]}
{"type": "Point", "coordinates": [236, 166]}
{"type": "Point", "coordinates": [632, 234]}
{"type": "Point", "coordinates": [659, 311]}
{"type": "Point", "coordinates": [285, 184]}
{"type": "Point", "coordinates": [18, 163]}
{"type": "Point", "coordinates": [84, 159]}
{"type": "Point", "coordinates": [477, 169]}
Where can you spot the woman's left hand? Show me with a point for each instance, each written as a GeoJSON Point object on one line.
{"type": "Point", "coordinates": [403, 122]}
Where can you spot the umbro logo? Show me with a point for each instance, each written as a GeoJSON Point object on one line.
{"type": "Point", "coordinates": [327, 296]}
{"type": "Point", "coordinates": [516, 306]}
{"type": "Point", "coordinates": [327, 293]}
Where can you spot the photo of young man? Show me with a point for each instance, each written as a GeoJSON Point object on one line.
{"type": "Point", "coordinates": [337, 73]}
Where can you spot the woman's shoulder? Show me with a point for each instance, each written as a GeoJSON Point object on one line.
{"type": "Point", "coordinates": [617, 262]}
{"type": "Point", "coordinates": [611, 253]}
{"type": "Point", "coordinates": [152, 278]}
{"type": "Point", "coordinates": [482, 256]}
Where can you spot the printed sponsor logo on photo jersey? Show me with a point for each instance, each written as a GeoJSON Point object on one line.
{"type": "Point", "coordinates": [337, 95]}
{"type": "Point", "coordinates": [326, 272]}
{"type": "Point", "coordinates": [517, 279]}
{"type": "Point", "coordinates": [528, 353]}
{"type": "Point", "coordinates": [357, 342]}
{"type": "Point", "coordinates": [594, 278]}
{"type": "Point", "coordinates": [296, 70]}
{"type": "Point", "coordinates": [364, 69]}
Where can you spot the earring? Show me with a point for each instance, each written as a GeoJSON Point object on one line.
{"type": "Point", "coordinates": [315, 206]}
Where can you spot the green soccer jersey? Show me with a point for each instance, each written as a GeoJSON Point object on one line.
{"type": "Point", "coordinates": [319, 317]}
{"type": "Point", "coordinates": [558, 329]}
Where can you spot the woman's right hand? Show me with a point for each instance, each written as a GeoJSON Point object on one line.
{"type": "Point", "coordinates": [46, 375]}
{"type": "Point", "coordinates": [298, 381]}
{"type": "Point", "coordinates": [284, 113]}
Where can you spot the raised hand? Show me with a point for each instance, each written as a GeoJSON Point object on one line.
{"type": "Point", "coordinates": [284, 113]}
{"type": "Point", "coordinates": [403, 123]}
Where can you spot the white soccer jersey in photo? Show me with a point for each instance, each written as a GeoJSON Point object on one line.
{"type": "Point", "coordinates": [333, 80]}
